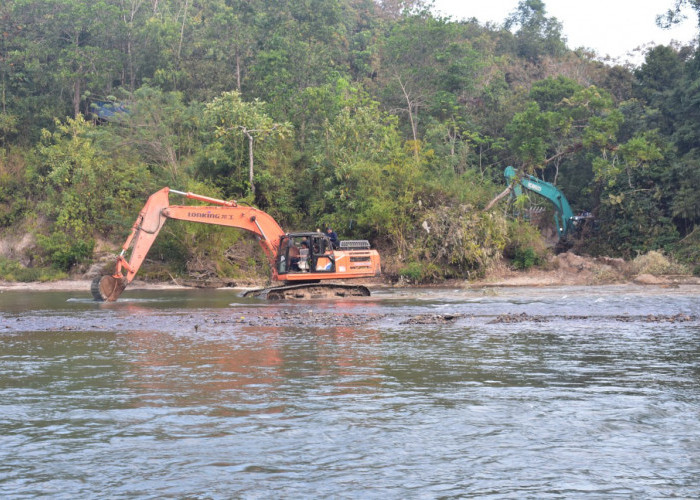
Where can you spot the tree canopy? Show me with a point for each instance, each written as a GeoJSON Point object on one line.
{"type": "Point", "coordinates": [382, 119]}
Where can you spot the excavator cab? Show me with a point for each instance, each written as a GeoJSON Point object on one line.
{"type": "Point", "coordinates": [305, 253]}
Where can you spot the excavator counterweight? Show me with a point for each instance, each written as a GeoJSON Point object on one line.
{"type": "Point", "coordinates": [299, 260]}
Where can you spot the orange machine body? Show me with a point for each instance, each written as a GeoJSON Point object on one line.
{"type": "Point", "coordinates": [354, 259]}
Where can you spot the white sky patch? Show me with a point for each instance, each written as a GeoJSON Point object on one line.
{"type": "Point", "coordinates": [614, 28]}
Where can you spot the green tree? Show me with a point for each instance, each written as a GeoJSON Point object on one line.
{"type": "Point", "coordinates": [227, 44]}
{"type": "Point", "coordinates": [428, 67]}
{"type": "Point", "coordinates": [304, 46]}
{"type": "Point", "coordinates": [232, 119]}
{"type": "Point", "coordinates": [675, 14]}
{"type": "Point", "coordinates": [83, 191]}
{"type": "Point", "coordinates": [158, 129]}
{"type": "Point", "coordinates": [585, 118]}
{"type": "Point", "coordinates": [362, 170]}
{"type": "Point", "coordinates": [659, 87]}
{"type": "Point", "coordinates": [537, 35]}
{"type": "Point", "coordinates": [30, 90]}
{"type": "Point", "coordinates": [674, 110]}
{"type": "Point", "coordinates": [85, 60]}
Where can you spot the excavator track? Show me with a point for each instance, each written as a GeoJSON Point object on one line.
{"type": "Point", "coordinates": [309, 291]}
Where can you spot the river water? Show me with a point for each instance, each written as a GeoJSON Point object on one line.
{"type": "Point", "coordinates": [495, 393]}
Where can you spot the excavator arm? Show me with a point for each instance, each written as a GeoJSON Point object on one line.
{"type": "Point", "coordinates": [563, 215]}
{"type": "Point", "coordinates": [154, 214]}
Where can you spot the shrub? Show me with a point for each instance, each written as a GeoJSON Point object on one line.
{"type": "Point", "coordinates": [526, 247]}
{"type": "Point", "coordinates": [656, 263]}
{"type": "Point", "coordinates": [64, 252]}
{"type": "Point", "coordinates": [458, 241]}
{"type": "Point", "coordinates": [525, 258]}
{"type": "Point", "coordinates": [421, 272]}
{"type": "Point", "coordinates": [687, 250]}
{"type": "Point", "coordinates": [11, 270]}
{"type": "Point", "coordinates": [411, 272]}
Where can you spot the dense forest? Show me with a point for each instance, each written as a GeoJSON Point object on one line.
{"type": "Point", "coordinates": [378, 118]}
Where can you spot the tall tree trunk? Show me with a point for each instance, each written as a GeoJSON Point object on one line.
{"type": "Point", "coordinates": [182, 30]}
{"type": "Point", "coordinates": [238, 69]}
{"type": "Point", "coordinates": [411, 107]}
{"type": "Point", "coordinates": [76, 82]}
{"type": "Point", "coordinates": [76, 97]}
{"type": "Point", "coordinates": [250, 161]}
{"type": "Point", "coordinates": [128, 19]}
{"type": "Point", "coordinates": [130, 63]}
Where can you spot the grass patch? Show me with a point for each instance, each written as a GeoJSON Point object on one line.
{"type": "Point", "coordinates": [11, 270]}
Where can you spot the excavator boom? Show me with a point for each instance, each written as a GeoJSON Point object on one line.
{"type": "Point", "coordinates": [322, 263]}
{"type": "Point", "coordinates": [563, 215]}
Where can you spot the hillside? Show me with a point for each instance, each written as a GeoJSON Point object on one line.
{"type": "Point", "coordinates": [379, 119]}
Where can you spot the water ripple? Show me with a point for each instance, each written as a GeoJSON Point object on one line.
{"type": "Point", "coordinates": [182, 398]}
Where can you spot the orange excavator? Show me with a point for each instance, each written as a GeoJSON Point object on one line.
{"type": "Point", "coordinates": [301, 261]}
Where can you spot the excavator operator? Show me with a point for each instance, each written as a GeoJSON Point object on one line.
{"type": "Point", "coordinates": [298, 257]}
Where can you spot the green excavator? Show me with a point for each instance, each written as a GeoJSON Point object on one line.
{"type": "Point", "coordinates": [564, 219]}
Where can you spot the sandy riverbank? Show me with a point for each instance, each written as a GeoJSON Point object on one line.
{"type": "Point", "coordinates": [77, 285]}
{"type": "Point", "coordinates": [565, 269]}
{"type": "Point", "coordinates": [512, 279]}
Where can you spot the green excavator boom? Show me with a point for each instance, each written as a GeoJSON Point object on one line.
{"type": "Point", "coordinates": [563, 215]}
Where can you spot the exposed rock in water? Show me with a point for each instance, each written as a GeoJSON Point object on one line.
{"type": "Point", "coordinates": [658, 318]}
{"type": "Point", "coordinates": [302, 319]}
{"type": "Point", "coordinates": [432, 319]}
{"type": "Point", "coordinates": [651, 318]}
{"type": "Point", "coordinates": [518, 318]}
{"type": "Point", "coordinates": [208, 283]}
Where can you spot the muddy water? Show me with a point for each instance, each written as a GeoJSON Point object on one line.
{"type": "Point", "coordinates": [496, 393]}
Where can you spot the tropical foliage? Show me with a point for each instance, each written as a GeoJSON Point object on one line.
{"type": "Point", "coordinates": [380, 119]}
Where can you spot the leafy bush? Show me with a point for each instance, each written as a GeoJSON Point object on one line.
{"type": "Point", "coordinates": [11, 270]}
{"type": "Point", "coordinates": [64, 253]}
{"type": "Point", "coordinates": [460, 241]}
{"type": "Point", "coordinates": [411, 272]}
{"type": "Point", "coordinates": [525, 258]}
{"type": "Point", "coordinates": [630, 224]}
{"type": "Point", "coordinates": [526, 247]}
{"type": "Point", "coordinates": [15, 192]}
{"type": "Point", "coordinates": [687, 250]}
{"type": "Point", "coordinates": [656, 263]}
{"type": "Point", "coordinates": [417, 272]}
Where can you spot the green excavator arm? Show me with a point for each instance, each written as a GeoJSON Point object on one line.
{"type": "Point", "coordinates": [563, 215]}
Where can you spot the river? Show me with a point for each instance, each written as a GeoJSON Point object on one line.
{"type": "Point", "coordinates": [562, 392]}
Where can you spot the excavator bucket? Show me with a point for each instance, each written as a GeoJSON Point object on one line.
{"type": "Point", "coordinates": [107, 288]}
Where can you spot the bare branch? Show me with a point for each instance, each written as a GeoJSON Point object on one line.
{"type": "Point", "coordinates": [498, 198]}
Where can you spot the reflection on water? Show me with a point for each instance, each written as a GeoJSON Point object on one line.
{"type": "Point", "coordinates": [206, 395]}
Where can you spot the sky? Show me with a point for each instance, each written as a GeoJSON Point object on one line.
{"type": "Point", "coordinates": [610, 27]}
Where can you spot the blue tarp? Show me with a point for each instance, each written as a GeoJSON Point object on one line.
{"type": "Point", "coordinates": [107, 110]}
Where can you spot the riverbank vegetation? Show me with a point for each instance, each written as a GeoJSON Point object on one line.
{"type": "Point", "coordinates": [380, 119]}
